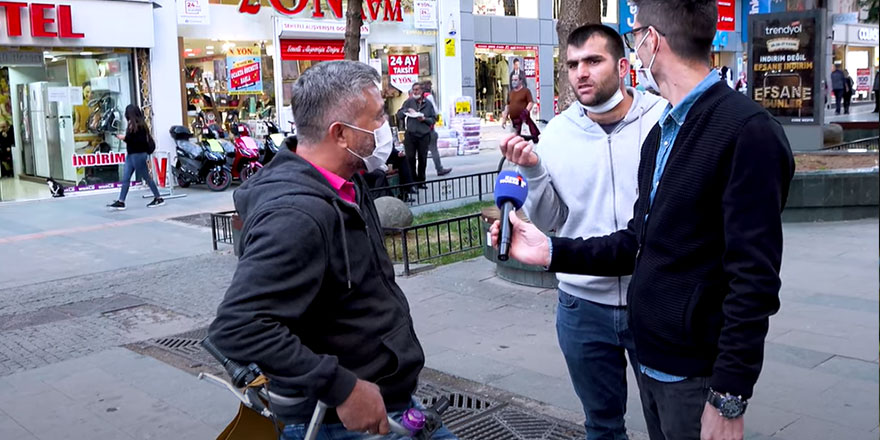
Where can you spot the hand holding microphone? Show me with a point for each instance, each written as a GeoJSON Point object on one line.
{"type": "Point", "coordinates": [512, 236]}
{"type": "Point", "coordinates": [518, 150]}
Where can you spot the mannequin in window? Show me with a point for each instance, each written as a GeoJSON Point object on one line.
{"type": "Point", "coordinates": [519, 73]}
{"type": "Point", "coordinates": [502, 73]}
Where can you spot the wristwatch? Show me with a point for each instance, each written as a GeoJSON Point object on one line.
{"type": "Point", "coordinates": [729, 407]}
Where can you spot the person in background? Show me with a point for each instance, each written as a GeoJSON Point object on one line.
{"type": "Point", "coordinates": [838, 86]}
{"type": "Point", "coordinates": [418, 116]}
{"type": "Point", "coordinates": [138, 147]}
{"type": "Point", "coordinates": [876, 89]}
{"type": "Point", "coordinates": [848, 90]}
{"type": "Point", "coordinates": [432, 147]}
{"type": "Point", "coordinates": [583, 180]}
{"type": "Point", "coordinates": [519, 108]}
{"type": "Point", "coordinates": [742, 84]}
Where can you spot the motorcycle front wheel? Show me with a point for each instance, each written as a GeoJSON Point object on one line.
{"type": "Point", "coordinates": [218, 179]}
{"type": "Point", "coordinates": [248, 171]}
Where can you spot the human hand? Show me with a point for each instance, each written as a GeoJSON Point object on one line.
{"type": "Point", "coordinates": [364, 410]}
{"type": "Point", "coordinates": [401, 154]}
{"type": "Point", "coordinates": [519, 151]}
{"type": "Point", "coordinates": [717, 427]}
{"type": "Point", "coordinates": [528, 244]}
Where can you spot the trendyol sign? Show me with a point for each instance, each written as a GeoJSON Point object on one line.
{"type": "Point", "coordinates": [46, 20]}
{"type": "Point", "coordinates": [392, 10]}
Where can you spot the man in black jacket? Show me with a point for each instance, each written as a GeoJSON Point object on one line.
{"type": "Point", "coordinates": [418, 117]}
{"type": "Point", "coordinates": [313, 300]}
{"type": "Point", "coordinates": [704, 246]}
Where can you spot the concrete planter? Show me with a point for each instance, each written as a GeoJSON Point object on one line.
{"type": "Point", "coordinates": [833, 195]}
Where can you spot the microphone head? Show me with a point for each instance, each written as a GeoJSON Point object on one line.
{"type": "Point", "coordinates": [511, 187]}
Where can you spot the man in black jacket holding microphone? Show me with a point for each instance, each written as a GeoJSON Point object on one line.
{"type": "Point", "coordinates": [704, 246]}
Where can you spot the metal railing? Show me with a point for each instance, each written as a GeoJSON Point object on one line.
{"type": "Point", "coordinates": [221, 228]}
{"type": "Point", "coordinates": [477, 185]}
{"type": "Point", "coordinates": [430, 241]}
{"type": "Point", "coordinates": [866, 144]}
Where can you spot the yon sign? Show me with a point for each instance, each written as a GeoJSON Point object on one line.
{"type": "Point", "coordinates": [404, 71]}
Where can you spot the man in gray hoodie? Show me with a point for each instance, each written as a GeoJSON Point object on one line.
{"type": "Point", "coordinates": [584, 183]}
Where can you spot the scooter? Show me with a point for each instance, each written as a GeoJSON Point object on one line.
{"type": "Point", "coordinates": [275, 141]}
{"type": "Point", "coordinates": [198, 164]}
{"type": "Point", "coordinates": [215, 140]}
{"type": "Point", "coordinates": [247, 154]}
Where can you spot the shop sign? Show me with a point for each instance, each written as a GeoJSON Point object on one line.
{"type": "Point", "coordinates": [46, 20]}
{"type": "Point", "coordinates": [529, 66]}
{"type": "Point", "coordinates": [193, 12]}
{"type": "Point", "coordinates": [868, 34]}
{"type": "Point", "coordinates": [244, 73]}
{"type": "Point", "coordinates": [425, 14]}
{"type": "Point", "coordinates": [846, 18]}
{"type": "Point", "coordinates": [404, 71]}
{"type": "Point", "coordinates": [783, 53]}
{"type": "Point", "coordinates": [863, 77]}
{"type": "Point", "coordinates": [726, 15]}
{"type": "Point", "coordinates": [506, 47]}
{"type": "Point", "coordinates": [628, 11]}
{"type": "Point", "coordinates": [21, 58]}
{"type": "Point", "coordinates": [97, 159]}
{"type": "Point", "coordinates": [721, 39]}
{"type": "Point", "coordinates": [318, 27]}
{"type": "Point", "coordinates": [315, 50]}
{"type": "Point", "coordinates": [391, 9]}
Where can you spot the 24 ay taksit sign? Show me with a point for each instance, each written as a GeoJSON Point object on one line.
{"type": "Point", "coordinates": [404, 71]}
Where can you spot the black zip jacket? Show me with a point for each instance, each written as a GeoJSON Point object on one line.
{"type": "Point", "coordinates": [413, 125]}
{"type": "Point", "coordinates": [313, 300]}
{"type": "Point", "coordinates": [705, 263]}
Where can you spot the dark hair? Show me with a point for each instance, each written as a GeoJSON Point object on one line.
{"type": "Point", "coordinates": [613, 41]}
{"type": "Point", "coordinates": [688, 25]}
{"type": "Point", "coordinates": [86, 83]}
{"type": "Point", "coordinates": [135, 118]}
{"type": "Point", "coordinates": [516, 60]}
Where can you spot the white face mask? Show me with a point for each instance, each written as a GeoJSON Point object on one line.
{"type": "Point", "coordinates": [606, 106]}
{"type": "Point", "coordinates": [384, 141]}
{"type": "Point", "coordinates": [644, 75]}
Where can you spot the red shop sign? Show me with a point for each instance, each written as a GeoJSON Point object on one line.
{"type": "Point", "coordinates": [314, 50]}
{"type": "Point", "coordinates": [46, 20]}
{"type": "Point", "coordinates": [391, 9]}
{"type": "Point", "coordinates": [726, 15]}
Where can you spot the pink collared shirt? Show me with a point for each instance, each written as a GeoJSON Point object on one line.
{"type": "Point", "coordinates": [343, 187]}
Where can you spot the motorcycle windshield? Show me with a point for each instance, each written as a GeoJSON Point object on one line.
{"type": "Point", "coordinates": [277, 139]}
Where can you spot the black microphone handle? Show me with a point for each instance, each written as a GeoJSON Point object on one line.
{"type": "Point", "coordinates": [506, 230]}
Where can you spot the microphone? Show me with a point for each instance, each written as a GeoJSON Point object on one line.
{"type": "Point", "coordinates": [511, 190]}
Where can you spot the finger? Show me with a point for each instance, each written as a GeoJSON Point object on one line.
{"type": "Point", "coordinates": [505, 141]}
{"type": "Point", "coordinates": [384, 428]}
{"type": "Point", "coordinates": [514, 220]}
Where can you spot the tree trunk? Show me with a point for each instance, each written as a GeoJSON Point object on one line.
{"type": "Point", "coordinates": [572, 14]}
{"type": "Point", "coordinates": [353, 22]}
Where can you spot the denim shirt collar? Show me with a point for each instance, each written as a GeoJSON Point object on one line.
{"type": "Point", "coordinates": [679, 112]}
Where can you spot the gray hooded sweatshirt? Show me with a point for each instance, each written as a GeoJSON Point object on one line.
{"type": "Point", "coordinates": [585, 184]}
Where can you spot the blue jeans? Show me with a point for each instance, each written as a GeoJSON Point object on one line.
{"type": "Point", "coordinates": [338, 432]}
{"type": "Point", "coordinates": [136, 162]}
{"type": "Point", "coordinates": [593, 338]}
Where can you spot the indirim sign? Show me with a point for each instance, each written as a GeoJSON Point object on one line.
{"type": "Point", "coordinates": [392, 9]}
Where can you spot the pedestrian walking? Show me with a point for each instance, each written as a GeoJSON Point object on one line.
{"type": "Point", "coordinates": [139, 145]}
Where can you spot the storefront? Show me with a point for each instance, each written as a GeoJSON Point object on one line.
{"type": "Point", "coordinates": [495, 65]}
{"type": "Point", "coordinates": [855, 50]}
{"type": "Point", "coordinates": [66, 76]}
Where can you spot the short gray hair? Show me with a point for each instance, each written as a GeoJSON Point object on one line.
{"type": "Point", "coordinates": [328, 92]}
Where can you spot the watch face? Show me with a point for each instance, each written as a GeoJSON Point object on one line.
{"type": "Point", "coordinates": [731, 407]}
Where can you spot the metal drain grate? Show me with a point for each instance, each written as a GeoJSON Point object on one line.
{"type": "Point", "coordinates": [511, 423]}
{"type": "Point", "coordinates": [183, 346]}
{"type": "Point", "coordinates": [463, 407]}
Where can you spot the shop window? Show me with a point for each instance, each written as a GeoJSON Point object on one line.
{"type": "Point", "coordinates": [228, 82]}
{"type": "Point", "coordinates": [495, 64]}
{"type": "Point", "coordinates": [65, 118]}
{"type": "Point", "coordinates": [510, 8]}
{"type": "Point", "coordinates": [401, 66]}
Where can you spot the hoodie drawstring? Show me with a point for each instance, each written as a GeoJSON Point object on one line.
{"type": "Point", "coordinates": [344, 243]}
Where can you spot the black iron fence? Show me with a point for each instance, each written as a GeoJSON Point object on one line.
{"type": "Point", "coordinates": [434, 241]}
{"type": "Point", "coordinates": [480, 186]}
{"type": "Point", "coordinates": [866, 144]}
{"type": "Point", "coordinates": [221, 228]}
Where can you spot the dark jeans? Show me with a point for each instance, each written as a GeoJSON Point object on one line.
{"type": "Point", "coordinates": [593, 338]}
{"type": "Point", "coordinates": [136, 162]}
{"type": "Point", "coordinates": [518, 123]}
{"type": "Point", "coordinates": [838, 99]}
{"type": "Point", "coordinates": [847, 98]}
{"type": "Point", "coordinates": [673, 410]}
{"type": "Point", "coordinates": [401, 164]}
{"type": "Point", "coordinates": [876, 103]}
{"type": "Point", "coordinates": [413, 145]}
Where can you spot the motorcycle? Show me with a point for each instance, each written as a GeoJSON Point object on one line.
{"type": "Point", "coordinates": [275, 141]}
{"type": "Point", "coordinates": [197, 164]}
{"type": "Point", "coordinates": [246, 160]}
